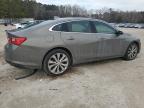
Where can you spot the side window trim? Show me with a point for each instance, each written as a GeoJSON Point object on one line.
{"type": "Point", "coordinates": [53, 26]}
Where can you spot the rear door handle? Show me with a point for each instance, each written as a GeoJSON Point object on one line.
{"type": "Point", "coordinates": [70, 39]}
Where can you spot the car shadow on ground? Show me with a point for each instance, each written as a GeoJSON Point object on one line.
{"type": "Point", "coordinates": [100, 62]}
{"type": "Point", "coordinates": [74, 70]}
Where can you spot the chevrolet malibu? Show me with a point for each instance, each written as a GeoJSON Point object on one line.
{"type": "Point", "coordinates": [56, 45]}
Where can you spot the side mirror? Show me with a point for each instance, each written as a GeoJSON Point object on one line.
{"type": "Point", "coordinates": [119, 33]}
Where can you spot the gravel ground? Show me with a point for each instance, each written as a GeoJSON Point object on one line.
{"type": "Point", "coordinates": [106, 84]}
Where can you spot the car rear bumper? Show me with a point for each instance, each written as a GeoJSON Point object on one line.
{"type": "Point", "coordinates": [21, 65]}
{"type": "Point", "coordinates": [16, 57]}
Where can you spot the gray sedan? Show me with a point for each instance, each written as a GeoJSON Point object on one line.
{"type": "Point", "coordinates": [56, 45]}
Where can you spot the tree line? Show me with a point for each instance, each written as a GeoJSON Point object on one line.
{"type": "Point", "coordinates": [32, 9]}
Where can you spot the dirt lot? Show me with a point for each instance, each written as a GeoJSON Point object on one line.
{"type": "Point", "coordinates": [106, 84]}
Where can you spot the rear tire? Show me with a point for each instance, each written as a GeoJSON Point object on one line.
{"type": "Point", "coordinates": [57, 62]}
{"type": "Point", "coordinates": [131, 52]}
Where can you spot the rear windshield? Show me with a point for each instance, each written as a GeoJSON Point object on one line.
{"type": "Point", "coordinates": [30, 24]}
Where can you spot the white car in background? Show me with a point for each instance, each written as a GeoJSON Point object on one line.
{"type": "Point", "coordinates": [139, 26]}
{"type": "Point", "coordinates": [24, 24]}
{"type": "Point", "coordinates": [20, 25]}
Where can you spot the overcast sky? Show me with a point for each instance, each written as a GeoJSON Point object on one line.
{"type": "Point", "coordinates": [98, 4]}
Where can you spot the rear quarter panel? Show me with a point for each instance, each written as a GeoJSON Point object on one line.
{"type": "Point", "coordinates": [39, 42]}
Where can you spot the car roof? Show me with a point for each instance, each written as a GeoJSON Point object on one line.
{"type": "Point", "coordinates": [67, 19]}
{"type": "Point", "coordinates": [74, 18]}
{"type": "Point", "coordinates": [50, 23]}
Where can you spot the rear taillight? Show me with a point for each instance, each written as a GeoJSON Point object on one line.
{"type": "Point", "coordinates": [16, 40]}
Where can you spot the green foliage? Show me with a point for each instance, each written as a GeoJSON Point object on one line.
{"type": "Point", "coordinates": [3, 8]}
{"type": "Point", "coordinates": [16, 8]}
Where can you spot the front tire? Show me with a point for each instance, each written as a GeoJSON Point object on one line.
{"type": "Point", "coordinates": [131, 52]}
{"type": "Point", "coordinates": [57, 62]}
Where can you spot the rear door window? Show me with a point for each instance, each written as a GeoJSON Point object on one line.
{"type": "Point", "coordinates": [79, 26]}
{"type": "Point", "coordinates": [57, 27]}
{"type": "Point", "coordinates": [60, 27]}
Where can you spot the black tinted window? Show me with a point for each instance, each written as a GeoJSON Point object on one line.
{"type": "Point", "coordinates": [79, 26]}
{"type": "Point", "coordinates": [57, 27]}
{"type": "Point", "coordinates": [103, 28]}
{"type": "Point", "coordinates": [60, 27]}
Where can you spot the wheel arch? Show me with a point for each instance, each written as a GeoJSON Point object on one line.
{"type": "Point", "coordinates": [137, 43]}
{"type": "Point", "coordinates": [62, 48]}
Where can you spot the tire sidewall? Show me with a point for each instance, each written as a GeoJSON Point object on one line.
{"type": "Point", "coordinates": [126, 55]}
{"type": "Point", "coordinates": [45, 64]}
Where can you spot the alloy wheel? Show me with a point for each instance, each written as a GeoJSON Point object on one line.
{"type": "Point", "coordinates": [58, 63]}
{"type": "Point", "coordinates": [132, 51]}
